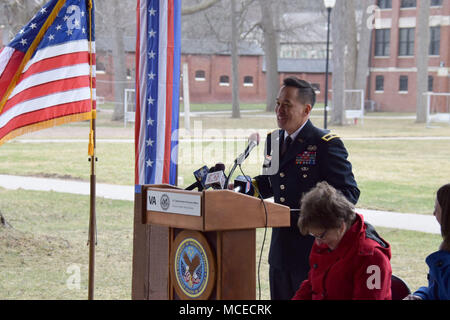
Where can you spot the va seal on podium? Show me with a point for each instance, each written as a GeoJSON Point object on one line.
{"type": "Point", "coordinates": [192, 266]}
{"type": "Point", "coordinates": [165, 202]}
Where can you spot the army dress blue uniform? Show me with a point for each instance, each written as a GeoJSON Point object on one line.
{"type": "Point", "coordinates": [315, 155]}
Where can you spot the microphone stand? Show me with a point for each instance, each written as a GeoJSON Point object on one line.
{"type": "Point", "coordinates": [231, 173]}
{"type": "Point", "coordinates": [253, 142]}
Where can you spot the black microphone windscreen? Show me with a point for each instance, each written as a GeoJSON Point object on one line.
{"type": "Point", "coordinates": [219, 167]}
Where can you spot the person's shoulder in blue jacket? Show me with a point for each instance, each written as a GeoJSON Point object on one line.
{"type": "Point", "coordinates": [438, 277]}
{"type": "Point", "coordinates": [439, 261]}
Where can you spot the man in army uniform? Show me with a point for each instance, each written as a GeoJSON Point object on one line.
{"type": "Point", "coordinates": [303, 156]}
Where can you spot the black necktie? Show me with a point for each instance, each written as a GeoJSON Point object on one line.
{"type": "Point", "coordinates": [287, 142]}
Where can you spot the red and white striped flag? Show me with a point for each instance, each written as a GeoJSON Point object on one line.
{"type": "Point", "coordinates": [158, 58]}
{"type": "Point", "coordinates": [47, 72]}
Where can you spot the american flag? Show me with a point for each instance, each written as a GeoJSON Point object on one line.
{"type": "Point", "coordinates": [45, 71]}
{"type": "Point", "coordinates": [158, 55]}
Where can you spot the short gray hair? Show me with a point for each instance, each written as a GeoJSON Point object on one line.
{"type": "Point", "coordinates": [326, 208]}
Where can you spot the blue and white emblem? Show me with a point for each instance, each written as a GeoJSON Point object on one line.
{"type": "Point", "coordinates": [191, 267]}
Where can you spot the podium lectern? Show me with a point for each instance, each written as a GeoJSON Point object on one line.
{"type": "Point", "coordinates": [206, 248]}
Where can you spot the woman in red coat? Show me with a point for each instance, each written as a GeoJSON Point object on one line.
{"type": "Point", "coordinates": [348, 260]}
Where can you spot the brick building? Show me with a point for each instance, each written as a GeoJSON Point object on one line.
{"type": "Point", "coordinates": [209, 65]}
{"type": "Point", "coordinates": [393, 61]}
{"type": "Point", "coordinates": [391, 81]}
{"type": "Point", "coordinates": [210, 71]}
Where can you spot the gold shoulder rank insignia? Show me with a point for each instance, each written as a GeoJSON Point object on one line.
{"type": "Point", "coordinates": [329, 137]}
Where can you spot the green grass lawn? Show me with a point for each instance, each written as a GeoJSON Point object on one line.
{"type": "Point", "coordinates": [49, 236]}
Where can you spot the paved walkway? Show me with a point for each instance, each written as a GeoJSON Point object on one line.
{"type": "Point", "coordinates": [406, 221]}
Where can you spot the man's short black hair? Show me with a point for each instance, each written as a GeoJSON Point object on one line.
{"type": "Point", "coordinates": [306, 93]}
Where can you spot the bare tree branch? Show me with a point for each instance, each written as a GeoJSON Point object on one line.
{"type": "Point", "coordinates": [200, 7]}
{"type": "Point", "coordinates": [216, 34]}
{"type": "Point", "coordinates": [255, 26]}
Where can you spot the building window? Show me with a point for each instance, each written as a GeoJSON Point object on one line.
{"type": "Point", "coordinates": [248, 81]}
{"type": "Point", "coordinates": [382, 42]}
{"type": "Point", "coordinates": [435, 40]}
{"type": "Point", "coordinates": [406, 42]}
{"type": "Point", "coordinates": [403, 84]}
{"type": "Point", "coordinates": [224, 81]}
{"type": "Point", "coordinates": [436, 3]}
{"type": "Point", "coordinates": [408, 4]}
{"type": "Point", "coordinates": [379, 83]}
{"type": "Point", "coordinates": [385, 4]}
{"type": "Point", "coordinates": [200, 75]}
{"type": "Point", "coordinates": [100, 67]}
{"type": "Point", "coordinates": [430, 83]}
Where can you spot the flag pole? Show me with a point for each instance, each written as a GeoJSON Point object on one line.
{"type": "Point", "coordinates": [92, 225]}
{"type": "Point", "coordinates": [92, 241]}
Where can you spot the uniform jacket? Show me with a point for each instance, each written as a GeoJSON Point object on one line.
{"type": "Point", "coordinates": [438, 277]}
{"type": "Point", "coordinates": [359, 268]}
{"type": "Point", "coordinates": [314, 156]}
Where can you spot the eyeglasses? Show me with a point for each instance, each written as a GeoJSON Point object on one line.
{"type": "Point", "coordinates": [320, 236]}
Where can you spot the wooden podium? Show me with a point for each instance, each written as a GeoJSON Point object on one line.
{"type": "Point", "coordinates": [206, 247]}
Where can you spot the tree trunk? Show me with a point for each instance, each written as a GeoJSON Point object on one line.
{"type": "Point", "coordinates": [271, 53]}
{"type": "Point", "coordinates": [119, 59]}
{"type": "Point", "coordinates": [234, 61]}
{"type": "Point", "coordinates": [365, 38]}
{"type": "Point", "coordinates": [339, 36]}
{"type": "Point", "coordinates": [351, 99]}
{"type": "Point", "coordinates": [351, 45]}
{"type": "Point", "coordinates": [423, 42]}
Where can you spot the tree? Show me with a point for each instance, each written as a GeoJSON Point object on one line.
{"type": "Point", "coordinates": [271, 48]}
{"type": "Point", "coordinates": [358, 41]}
{"type": "Point", "coordinates": [225, 28]}
{"type": "Point", "coordinates": [16, 13]}
{"type": "Point", "coordinates": [114, 20]}
{"type": "Point", "coordinates": [260, 21]}
{"type": "Point", "coordinates": [351, 34]}
{"type": "Point", "coordinates": [234, 61]}
{"type": "Point", "coordinates": [339, 30]}
{"type": "Point", "coordinates": [423, 41]}
{"type": "Point", "coordinates": [363, 53]}
{"type": "Point", "coordinates": [277, 24]}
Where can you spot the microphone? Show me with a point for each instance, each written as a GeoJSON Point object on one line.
{"type": "Point", "coordinates": [253, 141]}
{"type": "Point", "coordinates": [216, 178]}
{"type": "Point", "coordinates": [200, 177]}
{"type": "Point", "coordinates": [242, 184]}
{"type": "Point", "coordinates": [219, 167]}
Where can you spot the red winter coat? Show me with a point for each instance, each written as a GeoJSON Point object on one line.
{"type": "Point", "coordinates": [359, 268]}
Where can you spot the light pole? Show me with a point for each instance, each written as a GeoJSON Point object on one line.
{"type": "Point", "coordinates": [329, 4]}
